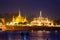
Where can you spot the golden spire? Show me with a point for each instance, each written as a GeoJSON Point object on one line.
{"type": "Point", "coordinates": [3, 20]}
{"type": "Point", "coordinates": [13, 20]}
{"type": "Point", "coordinates": [19, 14]}
{"type": "Point", "coordinates": [25, 19]}
{"type": "Point", "coordinates": [19, 17]}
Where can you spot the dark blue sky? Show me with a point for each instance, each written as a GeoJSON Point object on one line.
{"type": "Point", "coordinates": [49, 8]}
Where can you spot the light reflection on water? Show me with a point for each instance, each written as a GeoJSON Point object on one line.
{"type": "Point", "coordinates": [30, 35]}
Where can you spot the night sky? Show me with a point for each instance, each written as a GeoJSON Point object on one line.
{"type": "Point", "coordinates": [49, 8]}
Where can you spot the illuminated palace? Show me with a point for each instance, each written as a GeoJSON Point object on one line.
{"type": "Point", "coordinates": [18, 19]}
{"type": "Point", "coordinates": [41, 21]}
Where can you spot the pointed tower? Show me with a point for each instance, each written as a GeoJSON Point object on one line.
{"type": "Point", "coordinates": [25, 19]}
{"type": "Point", "coordinates": [3, 20]}
{"type": "Point", "coordinates": [40, 13]}
{"type": "Point", "coordinates": [19, 14]}
{"type": "Point", "coordinates": [13, 19]}
{"type": "Point", "coordinates": [19, 17]}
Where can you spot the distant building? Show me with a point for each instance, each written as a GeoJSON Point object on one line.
{"type": "Point", "coordinates": [19, 19]}
{"type": "Point", "coordinates": [41, 21]}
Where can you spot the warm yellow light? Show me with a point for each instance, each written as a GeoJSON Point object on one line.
{"type": "Point", "coordinates": [19, 18]}
{"type": "Point", "coordinates": [41, 21]}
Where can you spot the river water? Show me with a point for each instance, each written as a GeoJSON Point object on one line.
{"type": "Point", "coordinates": [30, 35]}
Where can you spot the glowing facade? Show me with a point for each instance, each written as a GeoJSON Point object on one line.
{"type": "Point", "coordinates": [19, 18]}
{"type": "Point", "coordinates": [2, 19]}
{"type": "Point", "coordinates": [41, 21]}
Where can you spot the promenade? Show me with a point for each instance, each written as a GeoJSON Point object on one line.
{"type": "Point", "coordinates": [30, 28]}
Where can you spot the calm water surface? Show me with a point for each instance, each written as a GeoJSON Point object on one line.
{"type": "Point", "coordinates": [30, 35]}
